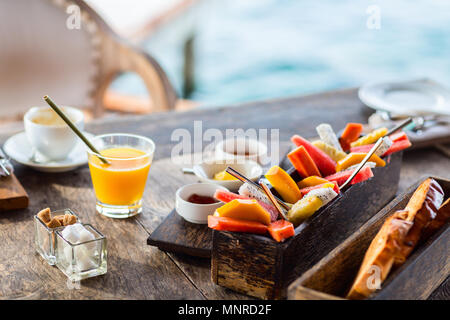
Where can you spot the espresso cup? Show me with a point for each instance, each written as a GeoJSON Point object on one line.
{"type": "Point", "coordinates": [49, 134]}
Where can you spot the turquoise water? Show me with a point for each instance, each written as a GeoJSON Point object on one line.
{"type": "Point", "coordinates": [261, 49]}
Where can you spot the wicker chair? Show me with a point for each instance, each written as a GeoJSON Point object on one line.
{"type": "Point", "coordinates": [42, 51]}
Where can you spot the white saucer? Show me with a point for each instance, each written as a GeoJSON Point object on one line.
{"type": "Point", "coordinates": [412, 98]}
{"type": "Point", "coordinates": [19, 149]}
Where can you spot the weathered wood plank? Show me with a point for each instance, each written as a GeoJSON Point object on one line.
{"type": "Point", "coordinates": [292, 115]}
{"type": "Point", "coordinates": [12, 194]}
{"type": "Point", "coordinates": [160, 201]}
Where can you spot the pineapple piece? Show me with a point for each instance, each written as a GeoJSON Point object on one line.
{"type": "Point", "coordinates": [332, 152]}
{"type": "Point", "coordinates": [303, 209]}
{"type": "Point", "coordinates": [370, 138]}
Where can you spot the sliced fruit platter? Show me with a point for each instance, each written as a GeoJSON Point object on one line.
{"type": "Point", "coordinates": [320, 170]}
{"type": "Point", "coordinates": [270, 232]}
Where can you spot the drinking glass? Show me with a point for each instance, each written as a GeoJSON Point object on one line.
{"type": "Point", "coordinates": [119, 184]}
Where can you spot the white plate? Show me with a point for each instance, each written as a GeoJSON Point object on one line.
{"type": "Point", "coordinates": [413, 98]}
{"type": "Point", "coordinates": [19, 149]}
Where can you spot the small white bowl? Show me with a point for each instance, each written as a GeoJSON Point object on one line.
{"type": "Point", "coordinates": [205, 171]}
{"type": "Point", "coordinates": [241, 148]}
{"type": "Point", "coordinates": [193, 212]}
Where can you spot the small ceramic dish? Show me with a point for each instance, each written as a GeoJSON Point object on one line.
{"type": "Point", "coordinates": [241, 148]}
{"type": "Point", "coordinates": [205, 171]}
{"type": "Point", "coordinates": [193, 212]}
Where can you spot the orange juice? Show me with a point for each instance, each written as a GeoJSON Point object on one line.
{"type": "Point", "coordinates": [121, 182]}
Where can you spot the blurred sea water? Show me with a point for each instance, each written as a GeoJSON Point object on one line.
{"type": "Point", "coordinates": [261, 49]}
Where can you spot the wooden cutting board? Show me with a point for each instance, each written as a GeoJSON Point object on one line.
{"type": "Point", "coordinates": [174, 234]}
{"type": "Point", "coordinates": [180, 236]}
{"type": "Point", "coordinates": [12, 194]}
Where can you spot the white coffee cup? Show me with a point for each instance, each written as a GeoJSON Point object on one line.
{"type": "Point", "coordinates": [49, 135]}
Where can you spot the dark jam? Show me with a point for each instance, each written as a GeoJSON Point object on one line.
{"type": "Point", "coordinates": [198, 199]}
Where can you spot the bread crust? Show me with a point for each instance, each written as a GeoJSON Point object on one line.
{"type": "Point", "coordinates": [400, 233]}
{"type": "Point", "coordinates": [381, 253]}
{"type": "Point", "coordinates": [422, 210]}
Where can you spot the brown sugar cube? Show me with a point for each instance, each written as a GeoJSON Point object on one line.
{"type": "Point", "coordinates": [54, 223]}
{"type": "Point", "coordinates": [60, 219]}
{"type": "Point", "coordinates": [69, 219]}
{"type": "Point", "coordinates": [45, 215]}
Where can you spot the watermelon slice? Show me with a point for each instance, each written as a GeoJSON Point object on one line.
{"type": "Point", "coordinates": [398, 136]}
{"type": "Point", "coordinates": [401, 143]}
{"type": "Point", "coordinates": [342, 176]}
{"type": "Point", "coordinates": [398, 146]}
{"type": "Point", "coordinates": [236, 225]}
{"type": "Point", "coordinates": [227, 196]}
{"type": "Point", "coordinates": [325, 164]}
{"type": "Point", "coordinates": [361, 149]}
{"type": "Point", "coordinates": [306, 190]}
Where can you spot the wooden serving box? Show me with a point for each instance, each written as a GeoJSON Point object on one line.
{"type": "Point", "coordinates": [260, 267]}
{"type": "Point", "coordinates": [424, 270]}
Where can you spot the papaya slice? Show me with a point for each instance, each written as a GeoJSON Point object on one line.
{"type": "Point", "coordinates": [242, 209]}
{"type": "Point", "coordinates": [355, 158]}
{"type": "Point", "coordinates": [351, 133]}
{"type": "Point", "coordinates": [311, 181]}
{"type": "Point", "coordinates": [284, 184]}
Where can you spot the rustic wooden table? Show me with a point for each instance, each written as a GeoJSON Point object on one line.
{"type": "Point", "coordinates": [136, 270]}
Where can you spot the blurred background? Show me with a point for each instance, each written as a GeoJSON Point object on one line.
{"type": "Point", "coordinates": [209, 53]}
{"type": "Point", "coordinates": [246, 50]}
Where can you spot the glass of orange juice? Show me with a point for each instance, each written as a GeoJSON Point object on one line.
{"type": "Point", "coordinates": [119, 184]}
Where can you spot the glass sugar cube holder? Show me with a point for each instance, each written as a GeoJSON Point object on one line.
{"type": "Point", "coordinates": [84, 259]}
{"type": "Point", "coordinates": [77, 261]}
{"type": "Point", "coordinates": [45, 237]}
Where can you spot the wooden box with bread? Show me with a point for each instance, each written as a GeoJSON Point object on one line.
{"type": "Point", "coordinates": [401, 253]}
